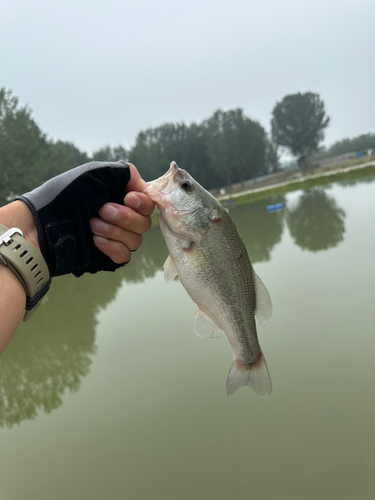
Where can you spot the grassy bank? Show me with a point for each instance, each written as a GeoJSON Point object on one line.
{"type": "Point", "coordinates": [301, 183]}
{"type": "Point", "coordinates": [317, 179]}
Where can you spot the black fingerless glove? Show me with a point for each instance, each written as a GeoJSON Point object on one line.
{"type": "Point", "coordinates": [62, 209]}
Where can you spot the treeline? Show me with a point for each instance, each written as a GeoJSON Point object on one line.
{"type": "Point", "coordinates": [228, 147]}
{"type": "Point", "coordinates": [27, 157]}
{"type": "Point", "coordinates": [360, 143]}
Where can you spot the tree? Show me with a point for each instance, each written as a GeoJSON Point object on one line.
{"type": "Point", "coordinates": [155, 148]}
{"type": "Point", "coordinates": [59, 157]}
{"type": "Point", "coordinates": [108, 153]}
{"type": "Point", "coordinates": [27, 157]}
{"type": "Point", "coordinates": [272, 156]}
{"type": "Point", "coordinates": [226, 148]}
{"type": "Point", "coordinates": [235, 145]}
{"type": "Point", "coordinates": [347, 145]}
{"type": "Point", "coordinates": [298, 123]}
{"type": "Point", "coordinates": [21, 143]}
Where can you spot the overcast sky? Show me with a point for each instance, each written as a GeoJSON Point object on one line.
{"type": "Point", "coordinates": [97, 72]}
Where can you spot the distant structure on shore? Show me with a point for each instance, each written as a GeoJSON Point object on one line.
{"type": "Point", "coordinates": [291, 168]}
{"type": "Point", "coordinates": [344, 156]}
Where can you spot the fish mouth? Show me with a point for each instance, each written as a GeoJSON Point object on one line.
{"type": "Point", "coordinates": [154, 188]}
{"type": "Point", "coordinates": [162, 182]}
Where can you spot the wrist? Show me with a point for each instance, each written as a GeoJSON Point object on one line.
{"type": "Point", "coordinates": [17, 214]}
{"type": "Point", "coordinates": [12, 305]}
{"type": "Point", "coordinates": [10, 283]}
{"type": "Point", "coordinates": [20, 252]}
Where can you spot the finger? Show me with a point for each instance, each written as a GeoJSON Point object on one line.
{"type": "Point", "coordinates": [136, 183]}
{"type": "Point", "coordinates": [114, 249]}
{"type": "Point", "coordinates": [139, 202]}
{"type": "Point", "coordinates": [125, 217]}
{"type": "Point", "coordinates": [116, 233]}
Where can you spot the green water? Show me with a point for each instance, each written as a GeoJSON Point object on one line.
{"type": "Point", "coordinates": [108, 393]}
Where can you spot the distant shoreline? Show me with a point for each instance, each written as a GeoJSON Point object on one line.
{"type": "Point", "coordinates": [303, 181]}
{"type": "Point", "coordinates": [293, 184]}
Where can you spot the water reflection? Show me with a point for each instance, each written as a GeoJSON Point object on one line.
{"type": "Point", "coordinates": [149, 259]}
{"type": "Point", "coordinates": [260, 230]}
{"type": "Point", "coordinates": [356, 180]}
{"type": "Point", "coordinates": [316, 222]}
{"type": "Point", "coordinates": [54, 352]}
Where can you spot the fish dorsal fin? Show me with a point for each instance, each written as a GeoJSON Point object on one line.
{"type": "Point", "coordinates": [263, 307]}
{"type": "Point", "coordinates": [170, 271]}
{"type": "Point", "coordinates": [205, 327]}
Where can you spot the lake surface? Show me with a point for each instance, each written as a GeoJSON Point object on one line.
{"type": "Point", "coordinates": [108, 393]}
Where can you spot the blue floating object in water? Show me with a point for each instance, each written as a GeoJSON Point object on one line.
{"type": "Point", "coordinates": [275, 208]}
{"type": "Point", "coordinates": [229, 203]}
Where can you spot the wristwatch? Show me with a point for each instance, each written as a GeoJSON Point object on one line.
{"type": "Point", "coordinates": [27, 263]}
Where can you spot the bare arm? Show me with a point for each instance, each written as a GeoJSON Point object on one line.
{"type": "Point", "coordinates": [12, 293]}
{"type": "Point", "coordinates": [12, 305]}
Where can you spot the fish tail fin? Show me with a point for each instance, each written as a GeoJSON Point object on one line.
{"type": "Point", "coordinates": [255, 375]}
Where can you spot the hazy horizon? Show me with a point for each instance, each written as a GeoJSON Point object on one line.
{"type": "Point", "coordinates": [96, 74]}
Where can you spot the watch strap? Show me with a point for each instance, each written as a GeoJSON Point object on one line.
{"type": "Point", "coordinates": [27, 263]}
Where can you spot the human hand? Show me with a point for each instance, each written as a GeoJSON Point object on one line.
{"type": "Point", "coordinates": [118, 231]}
{"type": "Point", "coordinates": [63, 207]}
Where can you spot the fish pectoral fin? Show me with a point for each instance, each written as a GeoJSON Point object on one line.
{"type": "Point", "coordinates": [205, 327]}
{"type": "Point", "coordinates": [263, 304]}
{"type": "Point", "coordinates": [170, 271]}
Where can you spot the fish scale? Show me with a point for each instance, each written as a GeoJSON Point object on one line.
{"type": "Point", "coordinates": [211, 260]}
{"type": "Point", "coordinates": [235, 292]}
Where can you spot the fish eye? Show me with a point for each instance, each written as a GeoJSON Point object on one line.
{"type": "Point", "coordinates": [186, 186]}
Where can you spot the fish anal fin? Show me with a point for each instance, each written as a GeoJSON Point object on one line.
{"type": "Point", "coordinates": [254, 375]}
{"type": "Point", "coordinates": [205, 327]}
{"type": "Point", "coordinates": [170, 271]}
{"type": "Point", "coordinates": [263, 304]}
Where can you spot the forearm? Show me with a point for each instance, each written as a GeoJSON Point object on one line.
{"type": "Point", "coordinates": [17, 214]}
{"type": "Point", "coordinates": [12, 293]}
{"type": "Point", "coordinates": [12, 305]}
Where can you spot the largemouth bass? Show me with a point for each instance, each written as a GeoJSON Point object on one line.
{"type": "Point", "coordinates": [211, 261]}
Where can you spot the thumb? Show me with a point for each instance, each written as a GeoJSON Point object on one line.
{"type": "Point", "coordinates": [136, 183]}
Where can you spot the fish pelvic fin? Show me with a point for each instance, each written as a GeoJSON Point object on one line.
{"type": "Point", "coordinates": [254, 375]}
{"type": "Point", "coordinates": [170, 270]}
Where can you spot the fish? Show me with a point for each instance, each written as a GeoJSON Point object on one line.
{"type": "Point", "coordinates": [209, 256]}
